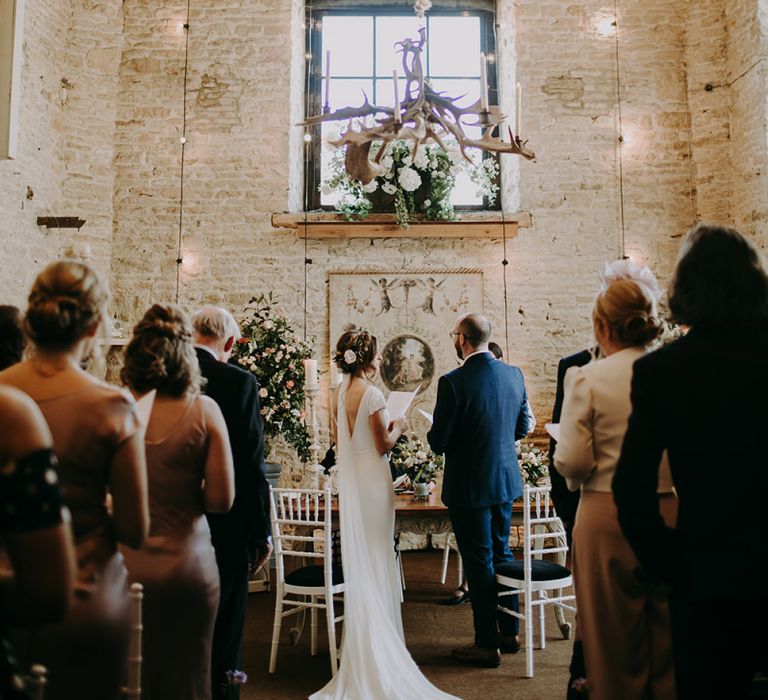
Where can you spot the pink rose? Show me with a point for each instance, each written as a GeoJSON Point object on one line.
{"type": "Point", "coordinates": [289, 384]}
{"type": "Point", "coordinates": [263, 392]}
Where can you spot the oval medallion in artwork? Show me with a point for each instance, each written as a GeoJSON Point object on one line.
{"type": "Point", "coordinates": [407, 363]}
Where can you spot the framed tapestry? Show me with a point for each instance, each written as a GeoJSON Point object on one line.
{"type": "Point", "coordinates": [411, 314]}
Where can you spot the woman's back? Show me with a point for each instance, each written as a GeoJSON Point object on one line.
{"type": "Point", "coordinates": [176, 444]}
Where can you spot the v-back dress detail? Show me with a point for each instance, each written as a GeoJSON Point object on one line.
{"type": "Point", "coordinates": [375, 663]}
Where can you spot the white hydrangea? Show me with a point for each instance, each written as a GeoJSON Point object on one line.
{"type": "Point", "coordinates": [326, 189]}
{"type": "Point", "coordinates": [372, 186]}
{"type": "Point", "coordinates": [409, 179]}
{"type": "Point", "coordinates": [421, 160]}
{"type": "Point", "coordinates": [387, 161]}
{"type": "Point", "coordinates": [389, 188]}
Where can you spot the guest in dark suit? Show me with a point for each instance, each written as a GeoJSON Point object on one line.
{"type": "Point", "coordinates": [566, 501]}
{"type": "Point", "coordinates": [241, 537]}
{"type": "Point", "coordinates": [683, 398]}
{"type": "Point", "coordinates": [481, 410]}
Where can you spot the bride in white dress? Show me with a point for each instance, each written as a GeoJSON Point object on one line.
{"type": "Point", "coordinates": [375, 664]}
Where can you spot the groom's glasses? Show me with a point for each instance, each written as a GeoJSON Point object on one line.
{"type": "Point", "coordinates": [453, 333]}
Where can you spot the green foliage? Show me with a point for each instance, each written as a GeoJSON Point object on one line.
{"type": "Point", "coordinates": [271, 350]}
{"type": "Point", "coordinates": [412, 185]}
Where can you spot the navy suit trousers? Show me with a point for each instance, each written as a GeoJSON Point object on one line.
{"type": "Point", "coordinates": [482, 535]}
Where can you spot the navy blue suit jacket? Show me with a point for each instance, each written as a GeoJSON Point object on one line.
{"type": "Point", "coordinates": [481, 410]}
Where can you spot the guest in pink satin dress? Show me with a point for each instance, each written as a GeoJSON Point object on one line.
{"type": "Point", "coordinates": [189, 465]}
{"type": "Point", "coordinates": [98, 440]}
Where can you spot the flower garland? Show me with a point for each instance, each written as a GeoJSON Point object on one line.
{"type": "Point", "coordinates": [414, 185]}
{"type": "Point", "coordinates": [274, 354]}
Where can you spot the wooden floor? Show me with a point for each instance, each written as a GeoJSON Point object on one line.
{"type": "Point", "coordinates": [431, 630]}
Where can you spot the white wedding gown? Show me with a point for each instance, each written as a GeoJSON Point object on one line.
{"type": "Point", "coordinates": [375, 664]}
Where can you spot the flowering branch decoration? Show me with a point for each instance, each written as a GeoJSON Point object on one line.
{"type": "Point", "coordinates": [274, 354]}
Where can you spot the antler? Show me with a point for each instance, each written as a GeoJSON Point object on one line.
{"type": "Point", "coordinates": [429, 116]}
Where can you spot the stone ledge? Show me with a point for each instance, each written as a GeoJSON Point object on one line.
{"type": "Point", "coordinates": [471, 224]}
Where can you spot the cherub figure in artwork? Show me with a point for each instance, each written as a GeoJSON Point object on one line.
{"type": "Point", "coordinates": [383, 287]}
{"type": "Point", "coordinates": [428, 305]}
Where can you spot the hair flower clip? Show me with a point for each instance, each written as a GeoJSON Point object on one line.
{"type": "Point", "coordinates": [349, 356]}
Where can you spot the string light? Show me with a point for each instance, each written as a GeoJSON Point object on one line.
{"type": "Point", "coordinates": [183, 142]}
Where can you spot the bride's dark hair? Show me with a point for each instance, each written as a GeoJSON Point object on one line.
{"type": "Point", "coordinates": [355, 351]}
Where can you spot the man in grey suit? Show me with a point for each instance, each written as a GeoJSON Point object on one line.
{"type": "Point", "coordinates": [481, 410]}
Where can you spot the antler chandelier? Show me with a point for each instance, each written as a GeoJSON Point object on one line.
{"type": "Point", "coordinates": [424, 115]}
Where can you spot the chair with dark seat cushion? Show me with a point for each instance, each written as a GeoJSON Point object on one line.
{"type": "Point", "coordinates": [302, 530]}
{"type": "Point", "coordinates": [534, 577]}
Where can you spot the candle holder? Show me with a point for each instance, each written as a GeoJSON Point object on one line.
{"type": "Point", "coordinates": [326, 108]}
{"type": "Point", "coordinates": [312, 392]}
{"type": "Point", "coordinates": [484, 118]}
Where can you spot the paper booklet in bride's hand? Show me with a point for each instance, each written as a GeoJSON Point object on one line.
{"type": "Point", "coordinates": [426, 415]}
{"type": "Point", "coordinates": [554, 430]}
{"type": "Point", "coordinates": [398, 403]}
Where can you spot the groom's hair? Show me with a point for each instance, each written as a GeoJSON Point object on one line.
{"type": "Point", "coordinates": [476, 329]}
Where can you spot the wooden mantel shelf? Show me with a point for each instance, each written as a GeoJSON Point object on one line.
{"type": "Point", "coordinates": [486, 224]}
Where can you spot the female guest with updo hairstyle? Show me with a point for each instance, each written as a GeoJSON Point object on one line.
{"type": "Point", "coordinates": [98, 440]}
{"type": "Point", "coordinates": [624, 625]}
{"type": "Point", "coordinates": [375, 662]}
{"type": "Point", "coordinates": [189, 465]}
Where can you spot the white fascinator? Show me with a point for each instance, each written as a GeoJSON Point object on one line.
{"type": "Point", "coordinates": [626, 269]}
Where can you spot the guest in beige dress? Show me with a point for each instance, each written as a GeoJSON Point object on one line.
{"type": "Point", "coordinates": [98, 441]}
{"type": "Point", "coordinates": [189, 464]}
{"type": "Point", "coordinates": [624, 625]}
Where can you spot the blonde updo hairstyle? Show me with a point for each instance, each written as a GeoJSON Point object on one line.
{"type": "Point", "coordinates": [66, 299]}
{"type": "Point", "coordinates": [161, 354]}
{"type": "Point", "coordinates": [359, 343]}
{"type": "Point", "coordinates": [628, 309]}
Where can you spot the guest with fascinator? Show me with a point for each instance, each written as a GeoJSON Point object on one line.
{"type": "Point", "coordinates": [624, 626]}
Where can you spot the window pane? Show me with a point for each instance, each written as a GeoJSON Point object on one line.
{"type": "Point", "coordinates": [390, 30]}
{"type": "Point", "coordinates": [349, 92]}
{"type": "Point", "coordinates": [467, 90]}
{"type": "Point", "coordinates": [385, 95]}
{"type": "Point", "coordinates": [454, 46]}
{"type": "Point", "coordinates": [349, 39]}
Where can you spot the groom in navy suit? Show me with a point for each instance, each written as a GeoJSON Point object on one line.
{"type": "Point", "coordinates": [481, 411]}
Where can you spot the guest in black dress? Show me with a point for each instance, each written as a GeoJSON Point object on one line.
{"type": "Point", "coordinates": [34, 531]}
{"type": "Point", "coordinates": [12, 341]}
{"type": "Point", "coordinates": [684, 398]}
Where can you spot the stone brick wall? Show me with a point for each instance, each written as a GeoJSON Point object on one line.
{"type": "Point", "coordinates": [102, 116]}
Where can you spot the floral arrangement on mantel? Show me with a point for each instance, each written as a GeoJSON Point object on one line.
{"type": "Point", "coordinates": [416, 460]}
{"type": "Point", "coordinates": [271, 350]}
{"type": "Point", "coordinates": [413, 186]}
{"type": "Point", "coordinates": [533, 463]}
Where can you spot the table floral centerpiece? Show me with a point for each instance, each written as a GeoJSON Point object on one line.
{"type": "Point", "coordinates": [534, 464]}
{"type": "Point", "coordinates": [411, 185]}
{"type": "Point", "coordinates": [411, 457]}
{"type": "Point", "coordinates": [274, 354]}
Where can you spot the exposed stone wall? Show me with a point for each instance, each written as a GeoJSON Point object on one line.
{"type": "Point", "coordinates": [31, 184]}
{"type": "Point", "coordinates": [747, 76]}
{"type": "Point", "coordinates": [66, 146]}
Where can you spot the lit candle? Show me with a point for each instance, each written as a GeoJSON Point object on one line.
{"type": "Point", "coordinates": [396, 82]}
{"type": "Point", "coordinates": [327, 78]}
{"type": "Point", "coordinates": [518, 111]}
{"type": "Point", "coordinates": [310, 373]}
{"type": "Point", "coordinates": [483, 84]}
